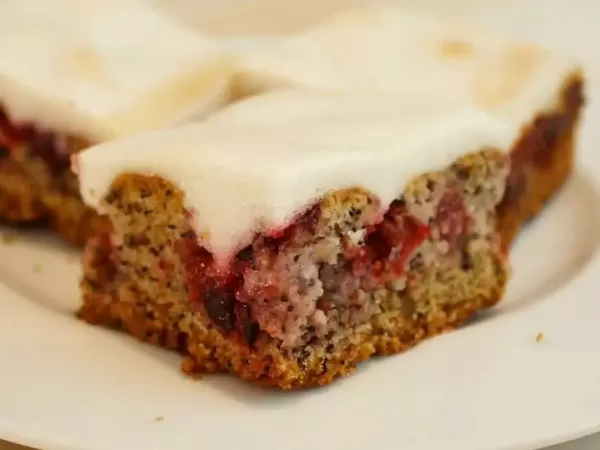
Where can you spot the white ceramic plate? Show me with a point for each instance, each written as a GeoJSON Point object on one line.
{"type": "Point", "coordinates": [489, 386]}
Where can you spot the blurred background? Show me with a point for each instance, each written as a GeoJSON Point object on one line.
{"type": "Point", "coordinates": [563, 24]}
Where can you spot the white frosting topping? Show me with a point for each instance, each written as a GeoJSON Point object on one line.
{"type": "Point", "coordinates": [388, 50]}
{"type": "Point", "coordinates": [105, 68]}
{"type": "Point", "coordinates": [253, 166]}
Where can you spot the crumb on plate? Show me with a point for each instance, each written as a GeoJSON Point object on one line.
{"type": "Point", "coordinates": [7, 238]}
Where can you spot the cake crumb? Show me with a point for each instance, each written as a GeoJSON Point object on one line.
{"type": "Point", "coordinates": [7, 238]}
{"type": "Point", "coordinates": [539, 337]}
{"type": "Point", "coordinates": [187, 365]}
{"type": "Point", "coordinates": [37, 268]}
{"type": "Point", "coordinates": [160, 419]}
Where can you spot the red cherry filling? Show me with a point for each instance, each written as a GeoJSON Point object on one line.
{"type": "Point", "coordinates": [216, 292]}
{"type": "Point", "coordinates": [383, 256]}
{"type": "Point", "coordinates": [389, 245]}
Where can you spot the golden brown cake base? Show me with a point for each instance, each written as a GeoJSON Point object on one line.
{"type": "Point", "coordinates": [209, 352]}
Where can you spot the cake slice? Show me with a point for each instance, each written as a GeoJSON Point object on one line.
{"type": "Point", "coordinates": [294, 234]}
{"type": "Point", "coordinates": [79, 72]}
{"type": "Point", "coordinates": [391, 51]}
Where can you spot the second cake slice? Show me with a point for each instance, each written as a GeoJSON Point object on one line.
{"type": "Point", "coordinates": [80, 72]}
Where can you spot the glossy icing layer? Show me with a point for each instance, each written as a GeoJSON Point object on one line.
{"type": "Point", "coordinates": [255, 165]}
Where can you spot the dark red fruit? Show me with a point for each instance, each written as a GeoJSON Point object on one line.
{"type": "Point", "coordinates": [219, 308]}
{"type": "Point", "coordinates": [215, 292]}
{"type": "Point", "coordinates": [398, 230]}
{"type": "Point", "coordinates": [247, 327]}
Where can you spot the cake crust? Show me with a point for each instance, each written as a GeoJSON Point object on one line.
{"type": "Point", "coordinates": [542, 160]}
